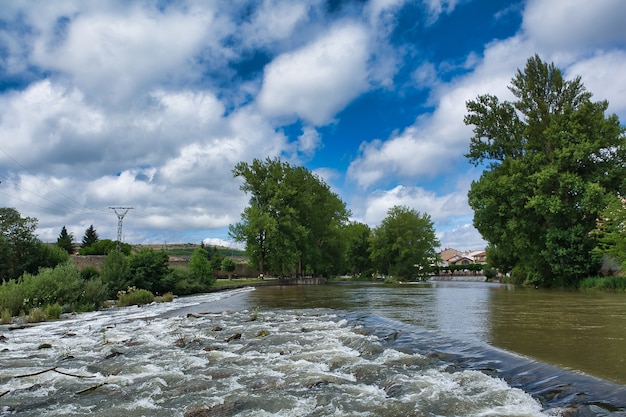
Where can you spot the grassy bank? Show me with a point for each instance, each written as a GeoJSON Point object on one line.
{"type": "Point", "coordinates": [612, 283]}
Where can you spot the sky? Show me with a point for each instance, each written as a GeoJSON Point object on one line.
{"type": "Point", "coordinates": [150, 104]}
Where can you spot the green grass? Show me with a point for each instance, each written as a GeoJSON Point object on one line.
{"type": "Point", "coordinates": [240, 281]}
{"type": "Point", "coordinates": [612, 283]}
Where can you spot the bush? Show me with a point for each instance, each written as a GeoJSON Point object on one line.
{"type": "Point", "coordinates": [490, 272]}
{"type": "Point", "coordinates": [115, 272]}
{"type": "Point", "coordinates": [62, 284]}
{"type": "Point", "coordinates": [185, 282]}
{"type": "Point", "coordinates": [133, 296]}
{"type": "Point", "coordinates": [165, 298]}
{"type": "Point", "coordinates": [148, 269]}
{"type": "Point", "coordinates": [95, 293]}
{"type": "Point", "coordinates": [53, 312]}
{"type": "Point", "coordinates": [612, 283]}
{"type": "Point", "coordinates": [11, 297]}
{"type": "Point", "coordinates": [36, 315]}
{"type": "Point", "coordinates": [6, 316]}
{"type": "Point", "coordinates": [89, 272]}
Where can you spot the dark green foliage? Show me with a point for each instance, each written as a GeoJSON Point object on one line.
{"type": "Point", "coordinates": [18, 244]}
{"type": "Point", "coordinates": [89, 272]}
{"type": "Point", "coordinates": [357, 236]}
{"type": "Point", "coordinates": [184, 283]}
{"type": "Point", "coordinates": [200, 268]}
{"type": "Point", "coordinates": [47, 256]}
{"type": "Point", "coordinates": [293, 222]}
{"type": "Point", "coordinates": [553, 162]}
{"type": "Point", "coordinates": [66, 241]}
{"type": "Point", "coordinates": [148, 270]}
{"type": "Point", "coordinates": [115, 272]}
{"type": "Point", "coordinates": [404, 244]}
{"type": "Point", "coordinates": [90, 238]}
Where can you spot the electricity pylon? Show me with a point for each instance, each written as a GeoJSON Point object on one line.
{"type": "Point", "coordinates": [120, 217]}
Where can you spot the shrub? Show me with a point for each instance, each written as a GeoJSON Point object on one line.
{"type": "Point", "coordinates": [53, 311]}
{"type": "Point", "coordinates": [611, 283]}
{"type": "Point", "coordinates": [89, 272]}
{"type": "Point", "coordinates": [115, 272]}
{"type": "Point", "coordinates": [11, 297]}
{"type": "Point", "coordinates": [165, 298]}
{"type": "Point", "coordinates": [6, 316]}
{"type": "Point", "coordinates": [95, 293]}
{"type": "Point", "coordinates": [134, 296]}
{"type": "Point", "coordinates": [62, 284]}
{"type": "Point", "coordinates": [36, 315]}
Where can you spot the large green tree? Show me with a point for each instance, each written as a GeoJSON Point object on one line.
{"type": "Point", "coordinates": [404, 244]}
{"type": "Point", "coordinates": [19, 246]}
{"type": "Point", "coordinates": [293, 221]}
{"type": "Point", "coordinates": [552, 162]}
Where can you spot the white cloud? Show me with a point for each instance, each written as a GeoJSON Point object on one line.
{"type": "Point", "coordinates": [275, 20]}
{"type": "Point", "coordinates": [572, 25]}
{"type": "Point", "coordinates": [438, 207]}
{"type": "Point", "coordinates": [317, 81]}
{"type": "Point", "coordinates": [116, 53]}
{"type": "Point", "coordinates": [463, 237]}
{"type": "Point", "coordinates": [309, 141]}
{"type": "Point", "coordinates": [596, 70]}
{"type": "Point", "coordinates": [438, 7]}
{"type": "Point", "coordinates": [215, 241]}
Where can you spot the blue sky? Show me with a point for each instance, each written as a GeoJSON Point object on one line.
{"type": "Point", "coordinates": [150, 104]}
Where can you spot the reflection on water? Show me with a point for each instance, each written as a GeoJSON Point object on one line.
{"type": "Point", "coordinates": [580, 331]}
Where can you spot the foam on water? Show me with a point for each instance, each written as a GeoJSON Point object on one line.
{"type": "Point", "coordinates": [137, 361]}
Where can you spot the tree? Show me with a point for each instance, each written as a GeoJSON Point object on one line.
{"type": "Point", "coordinates": [66, 241]}
{"type": "Point", "coordinates": [200, 267]}
{"type": "Point", "coordinates": [115, 272]}
{"type": "Point", "coordinates": [228, 266]}
{"type": "Point", "coordinates": [553, 161]}
{"type": "Point", "coordinates": [148, 270]}
{"type": "Point", "coordinates": [404, 244]}
{"type": "Point", "coordinates": [357, 235]}
{"type": "Point", "coordinates": [293, 222]}
{"type": "Point", "coordinates": [90, 237]}
{"type": "Point", "coordinates": [19, 246]}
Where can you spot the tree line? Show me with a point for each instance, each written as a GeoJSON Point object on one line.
{"type": "Point", "coordinates": [36, 276]}
{"type": "Point", "coordinates": [294, 225]}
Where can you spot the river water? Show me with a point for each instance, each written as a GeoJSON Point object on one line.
{"type": "Point", "coordinates": [434, 349]}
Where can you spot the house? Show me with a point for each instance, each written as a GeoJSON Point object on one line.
{"type": "Point", "coordinates": [451, 257]}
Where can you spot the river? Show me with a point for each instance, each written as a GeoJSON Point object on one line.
{"type": "Point", "coordinates": [430, 349]}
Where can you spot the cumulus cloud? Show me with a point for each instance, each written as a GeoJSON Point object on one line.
{"type": "Point", "coordinates": [117, 53]}
{"type": "Point", "coordinates": [569, 26]}
{"type": "Point", "coordinates": [439, 207]}
{"type": "Point", "coordinates": [316, 81]}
